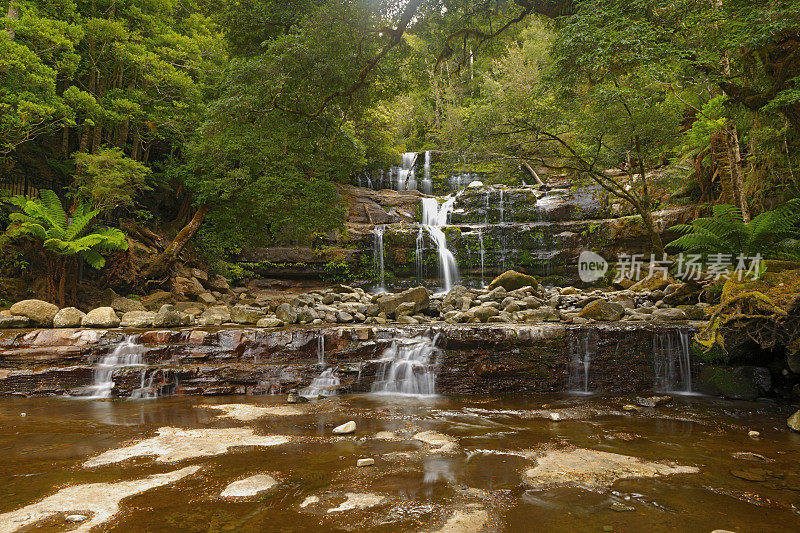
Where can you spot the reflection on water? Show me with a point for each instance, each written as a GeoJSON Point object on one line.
{"type": "Point", "coordinates": [497, 440]}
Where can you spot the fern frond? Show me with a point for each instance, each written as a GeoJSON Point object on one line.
{"type": "Point", "coordinates": [55, 210]}
{"type": "Point", "coordinates": [94, 259]}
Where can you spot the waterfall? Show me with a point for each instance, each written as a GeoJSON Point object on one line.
{"type": "Point", "coordinates": [582, 348]}
{"type": "Point", "coordinates": [501, 207]}
{"type": "Point", "coordinates": [149, 389]}
{"type": "Point", "coordinates": [378, 256]}
{"type": "Point", "coordinates": [434, 217]}
{"type": "Point", "coordinates": [321, 349]}
{"type": "Point", "coordinates": [418, 254]}
{"type": "Point", "coordinates": [427, 183]}
{"type": "Point", "coordinates": [407, 367]}
{"type": "Point", "coordinates": [126, 354]}
{"type": "Point", "coordinates": [325, 385]}
{"type": "Point", "coordinates": [671, 361]}
{"type": "Point", "coordinates": [406, 180]}
{"type": "Point", "coordinates": [483, 256]}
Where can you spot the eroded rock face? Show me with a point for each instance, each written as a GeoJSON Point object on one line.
{"type": "Point", "coordinates": [594, 469]}
{"type": "Point", "coordinates": [101, 498]}
{"type": "Point", "coordinates": [39, 312]}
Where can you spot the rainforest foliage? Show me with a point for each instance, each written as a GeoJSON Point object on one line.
{"type": "Point", "coordinates": [235, 119]}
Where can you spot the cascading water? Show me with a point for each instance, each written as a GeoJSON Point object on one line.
{"type": "Point", "coordinates": [321, 349]}
{"type": "Point", "coordinates": [671, 361]}
{"type": "Point", "coordinates": [325, 385]}
{"type": "Point", "coordinates": [127, 354]}
{"type": "Point", "coordinates": [378, 256]}
{"type": "Point", "coordinates": [406, 180]}
{"type": "Point", "coordinates": [427, 183]}
{"type": "Point", "coordinates": [582, 348]}
{"type": "Point", "coordinates": [407, 367]}
{"type": "Point", "coordinates": [483, 256]}
{"type": "Point", "coordinates": [434, 217]}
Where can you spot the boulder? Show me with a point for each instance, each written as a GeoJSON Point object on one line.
{"type": "Point", "coordinates": [14, 321]}
{"type": "Point", "coordinates": [243, 314]}
{"type": "Point", "coordinates": [603, 311]}
{"type": "Point", "coordinates": [389, 303]}
{"type": "Point", "coordinates": [344, 429]}
{"type": "Point", "coordinates": [215, 316]}
{"type": "Point", "coordinates": [406, 309]}
{"type": "Point", "coordinates": [169, 317]}
{"type": "Point", "coordinates": [286, 313]}
{"type": "Point", "coordinates": [188, 287]}
{"type": "Point", "coordinates": [101, 317]}
{"type": "Point", "coordinates": [739, 383]}
{"type": "Point", "coordinates": [653, 401]}
{"type": "Point", "coordinates": [306, 315]}
{"type": "Point", "coordinates": [153, 302]}
{"type": "Point", "coordinates": [69, 317]}
{"type": "Point", "coordinates": [668, 314]}
{"type": "Point", "coordinates": [39, 312]}
{"type": "Point", "coordinates": [207, 299]}
{"type": "Point", "coordinates": [124, 305]}
{"type": "Point", "coordinates": [484, 312]}
{"type": "Point", "coordinates": [269, 322]}
{"type": "Point", "coordinates": [793, 422]}
{"type": "Point", "coordinates": [542, 314]}
{"type": "Point", "coordinates": [693, 312]}
{"type": "Point", "coordinates": [654, 282]}
{"type": "Point", "coordinates": [511, 280]}
{"type": "Point", "coordinates": [217, 283]}
{"type": "Point", "coordinates": [454, 294]}
{"type": "Point", "coordinates": [138, 319]}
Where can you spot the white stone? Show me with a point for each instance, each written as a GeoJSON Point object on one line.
{"type": "Point", "coordinates": [555, 417]}
{"type": "Point", "coordinates": [475, 184]}
{"type": "Point", "coordinates": [174, 444]}
{"type": "Point", "coordinates": [357, 501]}
{"type": "Point", "coordinates": [249, 486]}
{"type": "Point", "coordinates": [344, 429]}
{"type": "Point", "coordinates": [245, 413]}
{"type": "Point", "coordinates": [754, 434]}
{"type": "Point", "coordinates": [440, 443]}
{"type": "Point", "coordinates": [365, 462]}
{"type": "Point", "coordinates": [100, 498]}
{"type": "Point", "coordinates": [309, 500]}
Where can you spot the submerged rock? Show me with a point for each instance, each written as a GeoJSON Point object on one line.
{"type": "Point", "coordinates": [246, 412]}
{"type": "Point", "coordinates": [39, 312]}
{"type": "Point", "coordinates": [594, 469]}
{"type": "Point", "coordinates": [250, 486]}
{"type": "Point", "coordinates": [440, 443]}
{"type": "Point", "coordinates": [653, 401]}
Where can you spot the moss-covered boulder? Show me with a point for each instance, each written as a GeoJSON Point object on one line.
{"type": "Point", "coordinates": [512, 280]}
{"type": "Point", "coordinates": [739, 383]}
{"type": "Point", "coordinates": [654, 282]}
{"type": "Point", "coordinates": [603, 311]}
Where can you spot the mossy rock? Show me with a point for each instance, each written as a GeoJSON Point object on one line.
{"type": "Point", "coordinates": [511, 280]}
{"type": "Point", "coordinates": [655, 282]}
{"type": "Point", "coordinates": [603, 311]}
{"type": "Point", "coordinates": [738, 383]}
{"type": "Point", "coordinates": [781, 288]}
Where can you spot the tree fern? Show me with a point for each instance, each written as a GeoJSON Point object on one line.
{"type": "Point", "coordinates": [772, 234]}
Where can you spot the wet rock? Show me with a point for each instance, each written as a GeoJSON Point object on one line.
{"type": "Point", "coordinates": [668, 314]}
{"type": "Point", "coordinates": [125, 305]}
{"type": "Point", "coordinates": [793, 422]}
{"type": "Point", "coordinates": [169, 317]}
{"type": "Point", "coordinates": [248, 487]}
{"type": "Point", "coordinates": [175, 444]}
{"type": "Point", "coordinates": [69, 317]}
{"type": "Point", "coordinates": [594, 469]}
{"type": "Point", "coordinates": [740, 383]}
{"type": "Point", "coordinates": [247, 412]}
{"type": "Point", "coordinates": [14, 321]}
{"type": "Point", "coordinates": [39, 312]}
{"type": "Point", "coordinates": [286, 313]}
{"type": "Point", "coordinates": [621, 507]}
{"type": "Point", "coordinates": [138, 319]}
{"type": "Point", "coordinates": [473, 519]}
{"type": "Point", "coordinates": [753, 434]}
{"type": "Point", "coordinates": [355, 500]}
{"type": "Point", "coordinates": [511, 280]}
{"type": "Point", "coordinates": [242, 314]}
{"type": "Point", "coordinates": [603, 311]}
{"type": "Point", "coordinates": [365, 462]}
{"type": "Point", "coordinates": [102, 499]}
{"type": "Point", "coordinates": [102, 317]}
{"type": "Point", "coordinates": [439, 442]}
{"type": "Point", "coordinates": [653, 401]}
{"type": "Point", "coordinates": [751, 474]}
{"type": "Point", "coordinates": [345, 429]}
{"type": "Point", "coordinates": [294, 397]}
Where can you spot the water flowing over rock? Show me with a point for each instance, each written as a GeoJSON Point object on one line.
{"type": "Point", "coordinates": [127, 354]}
{"type": "Point", "coordinates": [671, 361]}
{"type": "Point", "coordinates": [434, 217]}
{"type": "Point", "coordinates": [408, 367]}
{"type": "Point", "coordinates": [582, 348]}
{"type": "Point", "coordinates": [325, 385]}
{"type": "Point", "coordinates": [378, 257]}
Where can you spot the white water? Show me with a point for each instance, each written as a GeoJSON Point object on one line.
{"type": "Point", "coordinates": [427, 183]}
{"type": "Point", "coordinates": [434, 217]}
{"type": "Point", "coordinates": [406, 179]}
{"type": "Point", "coordinates": [407, 367]}
{"type": "Point", "coordinates": [321, 349]}
{"type": "Point", "coordinates": [378, 257]}
{"type": "Point", "coordinates": [325, 385]}
{"type": "Point", "coordinates": [671, 361]}
{"type": "Point", "coordinates": [582, 348]}
{"type": "Point", "coordinates": [127, 354]}
{"type": "Point", "coordinates": [483, 257]}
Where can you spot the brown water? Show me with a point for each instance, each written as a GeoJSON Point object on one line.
{"type": "Point", "coordinates": [43, 452]}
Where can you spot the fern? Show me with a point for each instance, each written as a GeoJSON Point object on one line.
{"type": "Point", "coordinates": [772, 234]}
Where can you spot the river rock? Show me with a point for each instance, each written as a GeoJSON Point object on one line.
{"type": "Point", "coordinates": [653, 401]}
{"type": "Point", "coordinates": [406, 309]}
{"type": "Point", "coordinates": [740, 383]}
{"type": "Point", "coordinates": [389, 303]}
{"type": "Point", "coordinates": [207, 299]}
{"type": "Point", "coordinates": [653, 282]}
{"type": "Point", "coordinates": [188, 287]}
{"type": "Point", "coordinates": [454, 294]}
{"type": "Point", "coordinates": [294, 397]}
{"type": "Point", "coordinates": [250, 486]}
{"type": "Point", "coordinates": [511, 280]}
{"type": "Point", "coordinates": [793, 422]}
{"type": "Point", "coordinates": [69, 317]}
{"type": "Point", "coordinates": [603, 311]}
{"type": "Point", "coordinates": [153, 302]}
{"type": "Point", "coordinates": [286, 313]}
{"type": "Point", "coordinates": [138, 319]}
{"type": "Point", "coordinates": [345, 429]}
{"type": "Point", "coordinates": [169, 317]}
{"type": "Point", "coordinates": [484, 312]}
{"type": "Point", "coordinates": [215, 316]}
{"type": "Point", "coordinates": [365, 462]}
{"type": "Point", "coordinates": [344, 317]}
{"type": "Point", "coordinates": [269, 322]}
{"type": "Point", "coordinates": [668, 314]}
{"type": "Point", "coordinates": [101, 317]}
{"type": "Point", "coordinates": [244, 314]}
{"type": "Point", "coordinates": [124, 305]}
{"type": "Point", "coordinates": [39, 312]}
{"type": "Point", "coordinates": [14, 321]}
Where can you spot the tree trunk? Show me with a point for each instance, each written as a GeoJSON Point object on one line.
{"type": "Point", "coordinates": [166, 259]}
{"type": "Point", "coordinates": [62, 282]}
{"type": "Point", "coordinates": [532, 172]}
{"type": "Point", "coordinates": [650, 226]}
{"type": "Point", "coordinates": [735, 163]}
{"type": "Point", "coordinates": [13, 14]}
